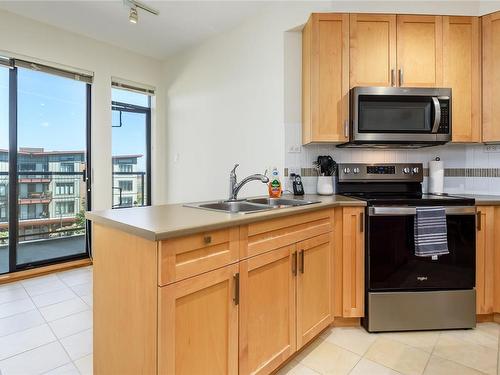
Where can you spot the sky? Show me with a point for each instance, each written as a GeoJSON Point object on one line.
{"type": "Point", "coordinates": [52, 115]}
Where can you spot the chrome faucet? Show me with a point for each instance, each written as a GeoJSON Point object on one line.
{"type": "Point", "coordinates": [235, 187]}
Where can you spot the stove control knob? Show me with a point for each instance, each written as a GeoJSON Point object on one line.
{"type": "Point", "coordinates": [356, 170]}
{"type": "Point", "coordinates": [415, 170]}
{"type": "Point", "coordinates": [347, 170]}
{"type": "Point", "coordinates": [406, 170]}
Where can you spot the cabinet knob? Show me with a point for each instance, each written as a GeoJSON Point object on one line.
{"type": "Point", "coordinates": [207, 240]}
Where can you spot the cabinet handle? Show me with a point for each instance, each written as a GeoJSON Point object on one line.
{"type": "Point", "coordinates": [302, 261]}
{"type": "Point", "coordinates": [294, 263]}
{"type": "Point", "coordinates": [393, 77]}
{"type": "Point", "coordinates": [478, 220]}
{"type": "Point", "coordinates": [401, 77]}
{"type": "Point", "coordinates": [346, 128]}
{"type": "Point", "coordinates": [207, 240]}
{"type": "Point", "coordinates": [362, 222]}
{"type": "Point", "coordinates": [236, 296]}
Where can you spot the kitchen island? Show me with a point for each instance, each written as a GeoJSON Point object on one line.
{"type": "Point", "coordinates": [189, 291]}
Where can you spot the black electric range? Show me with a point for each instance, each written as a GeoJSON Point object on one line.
{"type": "Point", "coordinates": [404, 291]}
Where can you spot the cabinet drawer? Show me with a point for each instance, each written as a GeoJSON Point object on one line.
{"type": "Point", "coordinates": [276, 233]}
{"type": "Point", "coordinates": [180, 258]}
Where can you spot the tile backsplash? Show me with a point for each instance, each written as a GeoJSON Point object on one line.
{"type": "Point", "coordinates": [469, 168]}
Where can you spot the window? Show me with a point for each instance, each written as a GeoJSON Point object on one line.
{"type": "Point", "coordinates": [131, 140]}
{"type": "Point", "coordinates": [67, 167]}
{"type": "Point", "coordinates": [33, 211]}
{"type": "Point", "coordinates": [125, 185]}
{"type": "Point", "coordinates": [126, 201]}
{"type": "Point", "coordinates": [65, 208]}
{"type": "Point", "coordinates": [65, 188]}
{"type": "Point", "coordinates": [3, 190]}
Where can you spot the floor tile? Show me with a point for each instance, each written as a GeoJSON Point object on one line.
{"type": "Point", "coordinates": [67, 369]}
{"type": "Point", "coordinates": [25, 340]}
{"type": "Point", "coordinates": [14, 294]}
{"type": "Point", "coordinates": [85, 365]}
{"type": "Point", "coordinates": [11, 286]}
{"type": "Point", "coordinates": [46, 286]}
{"type": "Point", "coordinates": [478, 357]}
{"type": "Point", "coordinates": [441, 366]}
{"type": "Point", "coordinates": [355, 339]}
{"type": "Point", "coordinates": [89, 300]}
{"type": "Point", "coordinates": [398, 356]}
{"type": "Point", "coordinates": [76, 277]}
{"type": "Point", "coordinates": [62, 309]}
{"type": "Point", "coordinates": [72, 324]}
{"type": "Point", "coordinates": [79, 344]}
{"type": "Point", "coordinates": [326, 358]}
{"type": "Point", "coordinates": [20, 322]}
{"type": "Point", "coordinates": [82, 289]}
{"type": "Point", "coordinates": [424, 340]}
{"type": "Point", "coordinates": [475, 336]}
{"type": "Point", "coordinates": [296, 368]}
{"type": "Point", "coordinates": [36, 361]}
{"type": "Point", "coordinates": [51, 298]}
{"type": "Point", "coordinates": [367, 367]}
{"type": "Point", "coordinates": [16, 307]}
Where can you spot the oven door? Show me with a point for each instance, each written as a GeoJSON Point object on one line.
{"type": "Point", "coordinates": [391, 261]}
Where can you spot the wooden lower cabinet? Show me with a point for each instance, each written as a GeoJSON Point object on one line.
{"type": "Point", "coordinates": [267, 310]}
{"type": "Point", "coordinates": [314, 287]}
{"type": "Point", "coordinates": [198, 325]}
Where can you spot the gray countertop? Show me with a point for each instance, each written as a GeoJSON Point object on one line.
{"type": "Point", "coordinates": [173, 220]}
{"type": "Point", "coordinates": [483, 200]}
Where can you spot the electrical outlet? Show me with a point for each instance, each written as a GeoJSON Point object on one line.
{"type": "Point", "coordinates": [295, 149]}
{"type": "Point", "coordinates": [295, 170]}
{"type": "Point", "coordinates": [492, 148]}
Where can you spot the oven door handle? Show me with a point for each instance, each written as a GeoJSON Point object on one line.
{"type": "Point", "coordinates": [437, 115]}
{"type": "Point", "coordinates": [411, 211]}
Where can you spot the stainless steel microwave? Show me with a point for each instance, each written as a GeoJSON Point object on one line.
{"type": "Point", "coordinates": [399, 117]}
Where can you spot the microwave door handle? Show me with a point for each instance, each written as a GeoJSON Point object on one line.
{"type": "Point", "coordinates": [437, 114]}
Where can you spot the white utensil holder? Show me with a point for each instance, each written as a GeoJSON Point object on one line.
{"type": "Point", "coordinates": [325, 185]}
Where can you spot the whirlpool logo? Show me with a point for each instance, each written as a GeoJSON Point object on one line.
{"type": "Point", "coordinates": [421, 278]}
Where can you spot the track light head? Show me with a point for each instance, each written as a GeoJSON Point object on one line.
{"type": "Point", "coordinates": [133, 16]}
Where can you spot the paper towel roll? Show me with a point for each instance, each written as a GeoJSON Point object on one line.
{"type": "Point", "coordinates": [436, 177]}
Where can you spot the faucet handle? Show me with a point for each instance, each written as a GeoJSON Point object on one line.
{"type": "Point", "coordinates": [233, 171]}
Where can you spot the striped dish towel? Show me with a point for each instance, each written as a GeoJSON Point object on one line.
{"type": "Point", "coordinates": [430, 232]}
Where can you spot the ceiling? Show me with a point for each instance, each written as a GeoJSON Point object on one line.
{"type": "Point", "coordinates": [180, 24]}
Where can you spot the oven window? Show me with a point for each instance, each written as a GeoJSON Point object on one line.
{"type": "Point", "coordinates": [392, 264]}
{"type": "Point", "coordinates": [394, 114]}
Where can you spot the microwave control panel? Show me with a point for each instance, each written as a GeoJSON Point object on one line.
{"type": "Point", "coordinates": [444, 125]}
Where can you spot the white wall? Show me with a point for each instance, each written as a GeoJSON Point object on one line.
{"type": "Point", "coordinates": [230, 99]}
{"type": "Point", "coordinates": [21, 36]}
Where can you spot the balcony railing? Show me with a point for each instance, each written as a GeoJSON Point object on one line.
{"type": "Point", "coordinates": [129, 198]}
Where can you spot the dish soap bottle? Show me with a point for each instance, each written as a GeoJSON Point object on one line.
{"type": "Point", "coordinates": [275, 184]}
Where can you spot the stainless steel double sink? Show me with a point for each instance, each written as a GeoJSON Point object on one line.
{"type": "Point", "coordinates": [247, 206]}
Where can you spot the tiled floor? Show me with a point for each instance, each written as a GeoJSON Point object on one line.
{"type": "Point", "coordinates": [46, 324]}
{"type": "Point", "coordinates": [356, 352]}
{"type": "Point", "coordinates": [46, 328]}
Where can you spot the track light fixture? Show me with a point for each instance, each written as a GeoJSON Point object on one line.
{"type": "Point", "coordinates": [134, 6]}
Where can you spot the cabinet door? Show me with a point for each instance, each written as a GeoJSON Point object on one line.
{"type": "Point", "coordinates": [420, 51]}
{"type": "Point", "coordinates": [491, 77]}
{"type": "Point", "coordinates": [485, 251]}
{"type": "Point", "coordinates": [462, 72]}
{"type": "Point", "coordinates": [198, 324]}
{"type": "Point", "coordinates": [267, 310]}
{"type": "Point", "coordinates": [496, 266]}
{"type": "Point", "coordinates": [314, 287]}
{"type": "Point", "coordinates": [325, 75]}
{"type": "Point", "coordinates": [372, 50]}
{"type": "Point", "coordinates": [353, 262]}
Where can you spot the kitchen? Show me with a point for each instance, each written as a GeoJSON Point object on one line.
{"type": "Point", "coordinates": [204, 279]}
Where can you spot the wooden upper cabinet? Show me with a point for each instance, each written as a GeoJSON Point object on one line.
{"type": "Point", "coordinates": [353, 262]}
{"type": "Point", "coordinates": [491, 77]}
{"type": "Point", "coordinates": [462, 72]}
{"type": "Point", "coordinates": [314, 287]}
{"type": "Point", "coordinates": [420, 51]}
{"type": "Point", "coordinates": [267, 310]}
{"type": "Point", "coordinates": [325, 78]}
{"type": "Point", "coordinates": [198, 324]}
{"type": "Point", "coordinates": [372, 50]}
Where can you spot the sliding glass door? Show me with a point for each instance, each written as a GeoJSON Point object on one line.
{"type": "Point", "coordinates": [43, 163]}
{"type": "Point", "coordinates": [4, 169]}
